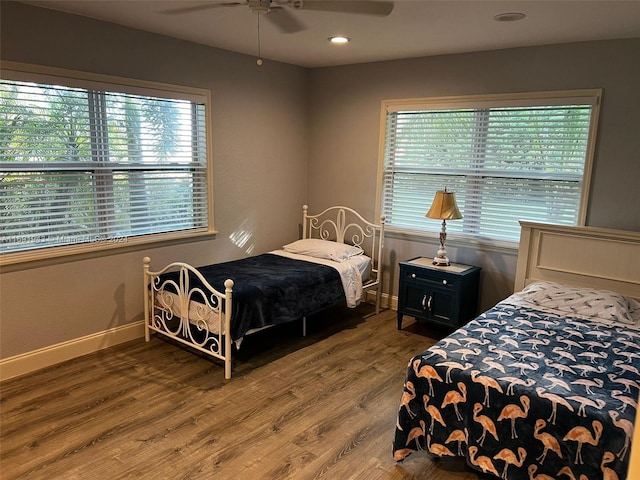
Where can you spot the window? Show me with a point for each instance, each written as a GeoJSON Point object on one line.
{"type": "Point", "coordinates": [88, 165]}
{"type": "Point", "coordinates": [506, 157]}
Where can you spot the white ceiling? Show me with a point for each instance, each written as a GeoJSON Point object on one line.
{"type": "Point", "coordinates": [414, 28]}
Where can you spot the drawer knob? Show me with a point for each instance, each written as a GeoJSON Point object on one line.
{"type": "Point", "coordinates": [444, 282]}
{"type": "Point", "coordinates": [413, 275]}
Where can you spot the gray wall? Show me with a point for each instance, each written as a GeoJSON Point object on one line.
{"type": "Point", "coordinates": [259, 145]}
{"type": "Point", "coordinates": [284, 136]}
{"type": "Point", "coordinates": [344, 133]}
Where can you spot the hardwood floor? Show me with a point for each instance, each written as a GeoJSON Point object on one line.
{"type": "Point", "coordinates": [318, 407]}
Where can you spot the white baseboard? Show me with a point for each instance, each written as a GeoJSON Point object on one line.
{"type": "Point", "coordinates": [386, 300]}
{"type": "Point", "coordinates": [45, 357]}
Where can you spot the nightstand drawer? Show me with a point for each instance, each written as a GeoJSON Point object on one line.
{"type": "Point", "coordinates": [444, 295]}
{"type": "Point", "coordinates": [437, 281]}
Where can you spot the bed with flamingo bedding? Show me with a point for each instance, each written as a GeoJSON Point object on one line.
{"type": "Point", "coordinates": [547, 381]}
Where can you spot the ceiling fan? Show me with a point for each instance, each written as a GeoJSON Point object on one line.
{"type": "Point", "coordinates": [283, 19]}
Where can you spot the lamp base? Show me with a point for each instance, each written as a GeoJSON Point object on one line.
{"type": "Point", "coordinates": [441, 258]}
{"type": "Point", "coordinates": [441, 261]}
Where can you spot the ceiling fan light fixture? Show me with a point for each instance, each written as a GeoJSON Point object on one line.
{"type": "Point", "coordinates": [339, 39]}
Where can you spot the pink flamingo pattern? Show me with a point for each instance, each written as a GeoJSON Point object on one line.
{"type": "Point", "coordinates": [534, 398]}
{"type": "Point", "coordinates": [510, 458]}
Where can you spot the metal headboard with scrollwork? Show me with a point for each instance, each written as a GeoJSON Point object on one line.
{"type": "Point", "coordinates": [345, 225]}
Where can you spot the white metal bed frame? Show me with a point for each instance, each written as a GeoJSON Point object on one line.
{"type": "Point", "coordinates": [198, 308]}
{"type": "Point", "coordinates": [350, 227]}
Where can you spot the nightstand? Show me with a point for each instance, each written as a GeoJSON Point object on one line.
{"type": "Point", "coordinates": [446, 296]}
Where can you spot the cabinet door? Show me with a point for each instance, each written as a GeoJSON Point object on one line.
{"type": "Point", "coordinates": [442, 303]}
{"type": "Point", "coordinates": [415, 298]}
{"type": "Point", "coordinates": [428, 303]}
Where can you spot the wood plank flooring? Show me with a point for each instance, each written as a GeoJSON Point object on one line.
{"type": "Point", "coordinates": [316, 407]}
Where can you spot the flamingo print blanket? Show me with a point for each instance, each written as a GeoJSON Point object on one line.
{"type": "Point", "coordinates": [522, 392]}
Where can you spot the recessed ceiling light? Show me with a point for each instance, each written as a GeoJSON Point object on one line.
{"type": "Point", "coordinates": [339, 39]}
{"type": "Point", "coordinates": [509, 17]}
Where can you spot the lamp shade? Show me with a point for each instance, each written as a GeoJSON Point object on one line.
{"type": "Point", "coordinates": [444, 206]}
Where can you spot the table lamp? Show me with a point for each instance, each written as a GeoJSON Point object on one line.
{"type": "Point", "coordinates": [443, 208]}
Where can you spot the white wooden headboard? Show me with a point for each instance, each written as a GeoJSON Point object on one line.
{"type": "Point", "coordinates": [580, 256]}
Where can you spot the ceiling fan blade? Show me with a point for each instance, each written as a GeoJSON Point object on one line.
{"type": "Point", "coordinates": [381, 9]}
{"type": "Point", "coordinates": [284, 20]}
{"type": "Point", "coordinates": [204, 6]}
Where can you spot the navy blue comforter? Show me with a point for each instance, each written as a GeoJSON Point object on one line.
{"type": "Point", "coordinates": [270, 289]}
{"type": "Point", "coordinates": [519, 392]}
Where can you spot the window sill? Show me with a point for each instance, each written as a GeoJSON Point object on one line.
{"type": "Point", "coordinates": [457, 239]}
{"type": "Point", "coordinates": [57, 255]}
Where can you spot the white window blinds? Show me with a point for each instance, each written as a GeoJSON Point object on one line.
{"type": "Point", "coordinates": [84, 166]}
{"type": "Point", "coordinates": [523, 160]}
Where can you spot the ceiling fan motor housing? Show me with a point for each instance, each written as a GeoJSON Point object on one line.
{"type": "Point", "coordinates": [260, 6]}
{"type": "Point", "coordinates": [265, 6]}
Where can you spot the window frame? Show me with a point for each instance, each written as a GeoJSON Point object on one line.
{"type": "Point", "coordinates": [93, 81]}
{"type": "Point", "coordinates": [432, 228]}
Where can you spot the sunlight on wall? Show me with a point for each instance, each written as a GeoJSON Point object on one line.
{"type": "Point", "coordinates": [242, 237]}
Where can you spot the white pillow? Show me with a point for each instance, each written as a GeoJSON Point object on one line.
{"type": "Point", "coordinates": [582, 301]}
{"type": "Point", "coordinates": [315, 247]}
